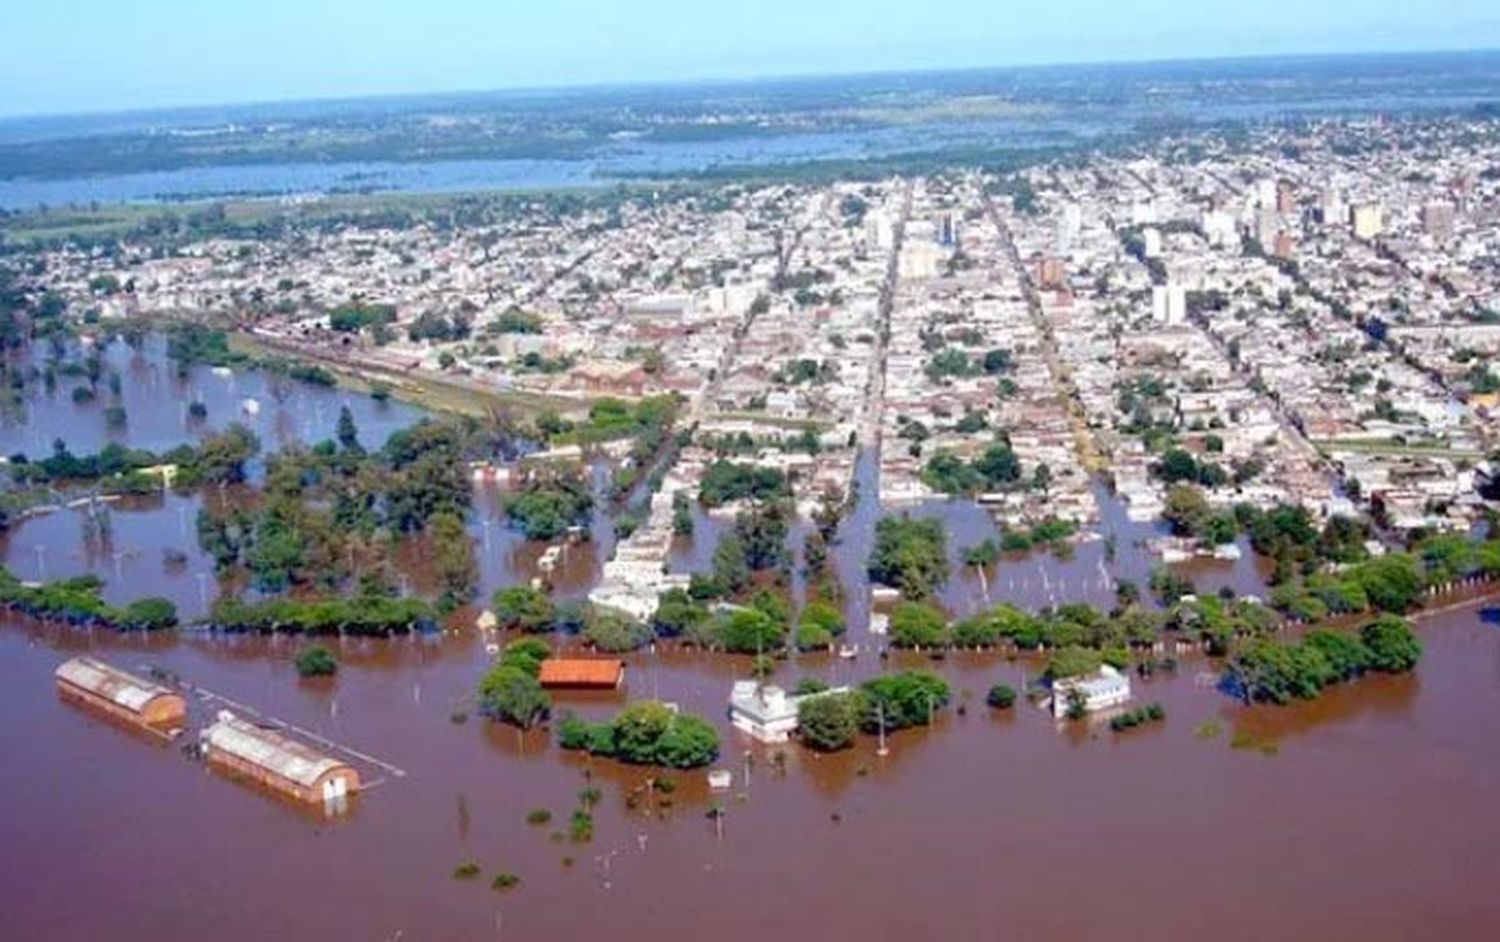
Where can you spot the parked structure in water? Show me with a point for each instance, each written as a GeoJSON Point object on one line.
{"type": "Point", "coordinates": [281, 764]}
{"type": "Point", "coordinates": [582, 673]}
{"type": "Point", "coordinates": [1101, 690]}
{"type": "Point", "coordinates": [767, 713]}
{"type": "Point", "coordinates": [99, 686]}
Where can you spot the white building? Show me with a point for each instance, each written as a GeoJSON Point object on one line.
{"type": "Point", "coordinates": [1267, 228]}
{"type": "Point", "coordinates": [1101, 690]}
{"type": "Point", "coordinates": [1070, 228]}
{"type": "Point", "coordinates": [920, 260]}
{"type": "Point", "coordinates": [1265, 194]}
{"type": "Point", "coordinates": [767, 714]}
{"type": "Point", "coordinates": [1367, 221]}
{"type": "Point", "coordinates": [1219, 228]}
{"type": "Point", "coordinates": [1151, 241]}
{"type": "Point", "coordinates": [1169, 304]}
{"type": "Point", "coordinates": [880, 232]}
{"type": "Point", "coordinates": [1332, 207]}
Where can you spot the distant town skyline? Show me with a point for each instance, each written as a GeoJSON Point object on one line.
{"type": "Point", "coordinates": [76, 56]}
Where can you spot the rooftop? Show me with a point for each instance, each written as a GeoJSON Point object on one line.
{"type": "Point", "coordinates": [110, 683]}
{"type": "Point", "coordinates": [581, 672]}
{"type": "Point", "coordinates": [269, 749]}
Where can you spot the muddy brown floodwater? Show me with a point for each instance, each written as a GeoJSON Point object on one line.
{"type": "Point", "coordinates": [156, 400]}
{"type": "Point", "coordinates": [1368, 814]}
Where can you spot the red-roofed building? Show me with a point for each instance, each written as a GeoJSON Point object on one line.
{"type": "Point", "coordinates": [579, 673]}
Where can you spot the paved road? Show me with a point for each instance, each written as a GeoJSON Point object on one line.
{"type": "Point", "coordinates": [1089, 452]}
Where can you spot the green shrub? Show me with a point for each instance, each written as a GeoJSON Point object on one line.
{"type": "Point", "coordinates": [581, 827]}
{"type": "Point", "coordinates": [1392, 646]}
{"type": "Point", "coordinates": [522, 607]}
{"type": "Point", "coordinates": [1151, 713]}
{"type": "Point", "coordinates": [148, 614]}
{"type": "Point", "coordinates": [901, 700]}
{"type": "Point", "coordinates": [918, 625]}
{"type": "Point", "coordinates": [1001, 697]}
{"type": "Point", "coordinates": [644, 733]}
{"type": "Point", "coordinates": [316, 661]}
{"type": "Point", "coordinates": [829, 722]}
{"type": "Point", "coordinates": [511, 694]}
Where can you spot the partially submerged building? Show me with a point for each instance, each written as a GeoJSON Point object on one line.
{"type": "Point", "coordinates": [281, 764]}
{"type": "Point", "coordinates": [582, 673]}
{"type": "Point", "coordinates": [767, 713]}
{"type": "Point", "coordinates": [1101, 690]}
{"type": "Point", "coordinates": [98, 686]}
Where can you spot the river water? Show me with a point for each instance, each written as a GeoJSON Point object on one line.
{"type": "Point", "coordinates": [606, 168]}
{"type": "Point", "coordinates": [838, 118]}
{"type": "Point", "coordinates": [1365, 815]}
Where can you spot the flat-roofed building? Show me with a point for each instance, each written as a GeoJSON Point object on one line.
{"type": "Point", "coordinates": [1101, 690]}
{"type": "Point", "coordinates": [1367, 221]}
{"type": "Point", "coordinates": [768, 714]}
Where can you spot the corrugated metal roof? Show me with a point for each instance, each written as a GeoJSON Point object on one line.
{"type": "Point", "coordinates": [111, 683]}
{"type": "Point", "coordinates": [270, 750]}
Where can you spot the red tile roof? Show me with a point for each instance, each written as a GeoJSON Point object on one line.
{"type": "Point", "coordinates": [581, 672]}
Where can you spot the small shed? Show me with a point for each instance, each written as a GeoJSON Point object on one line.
{"type": "Point", "coordinates": [96, 685]}
{"type": "Point", "coordinates": [276, 761]}
{"type": "Point", "coordinates": [582, 673]}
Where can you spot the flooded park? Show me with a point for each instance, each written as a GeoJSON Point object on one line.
{"type": "Point", "coordinates": [1364, 814]}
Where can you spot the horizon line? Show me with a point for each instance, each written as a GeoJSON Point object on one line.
{"type": "Point", "coordinates": [711, 80]}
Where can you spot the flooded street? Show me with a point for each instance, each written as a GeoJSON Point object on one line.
{"type": "Point", "coordinates": [156, 400]}
{"type": "Point", "coordinates": [1367, 814]}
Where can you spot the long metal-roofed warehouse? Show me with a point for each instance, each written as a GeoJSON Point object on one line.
{"type": "Point", "coordinates": [276, 761]}
{"type": "Point", "coordinates": [99, 686]}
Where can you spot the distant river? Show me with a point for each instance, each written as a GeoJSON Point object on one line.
{"type": "Point", "coordinates": [619, 160]}
{"type": "Point", "coordinates": [1064, 106]}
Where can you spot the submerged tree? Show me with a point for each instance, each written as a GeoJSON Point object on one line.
{"type": "Point", "coordinates": [509, 693]}
{"type": "Point", "coordinates": [828, 722]}
{"type": "Point", "coordinates": [316, 661]}
{"type": "Point", "coordinates": [453, 558]}
{"type": "Point", "coordinates": [525, 608]}
{"type": "Point", "coordinates": [910, 554]}
{"type": "Point", "coordinates": [347, 434]}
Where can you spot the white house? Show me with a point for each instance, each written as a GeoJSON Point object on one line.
{"type": "Point", "coordinates": [1101, 690]}
{"type": "Point", "coordinates": [767, 714]}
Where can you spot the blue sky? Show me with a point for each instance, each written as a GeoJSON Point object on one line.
{"type": "Point", "coordinates": [102, 55]}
